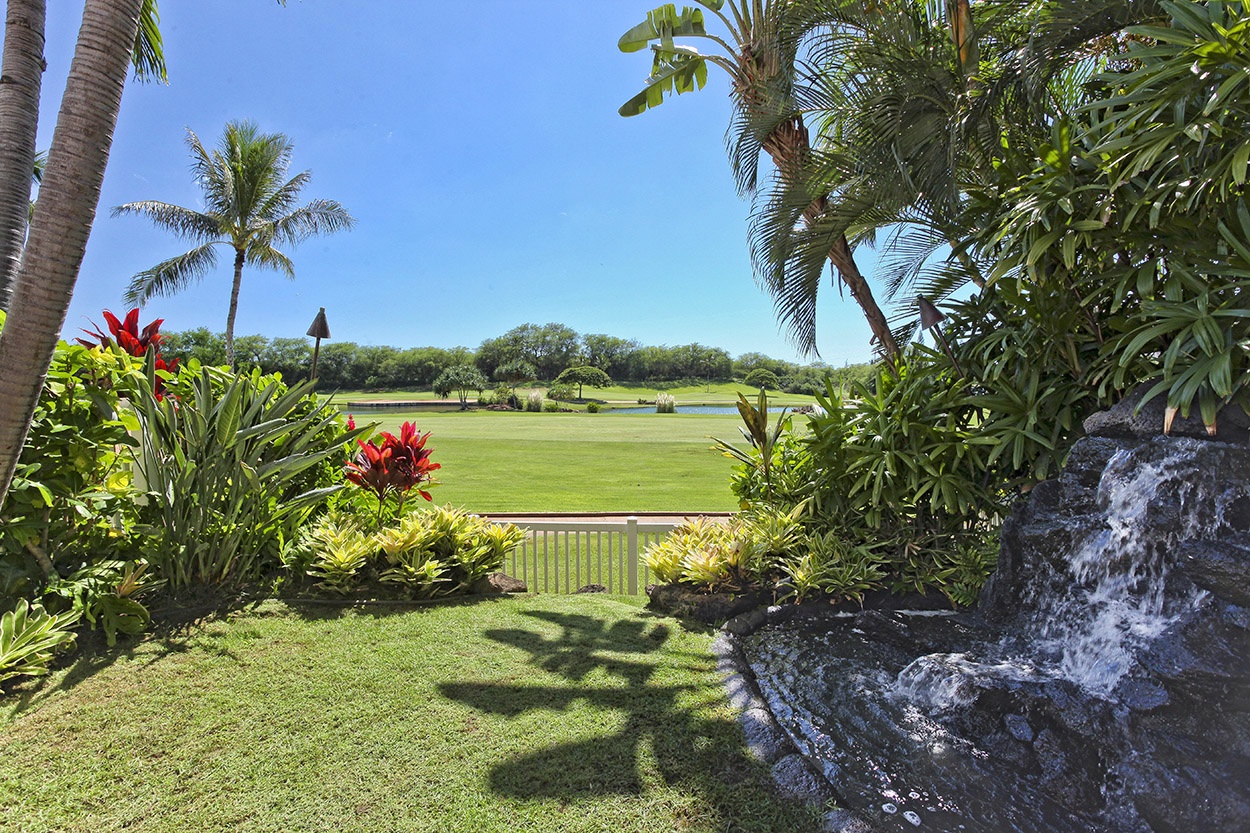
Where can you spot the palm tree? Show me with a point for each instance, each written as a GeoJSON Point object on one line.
{"type": "Point", "coordinates": [58, 232]}
{"type": "Point", "coordinates": [248, 207]}
{"type": "Point", "coordinates": [19, 113]}
{"type": "Point", "coordinates": [915, 103]}
{"type": "Point", "coordinates": [759, 58]}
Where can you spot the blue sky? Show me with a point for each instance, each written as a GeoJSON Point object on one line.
{"type": "Point", "coordinates": [479, 148]}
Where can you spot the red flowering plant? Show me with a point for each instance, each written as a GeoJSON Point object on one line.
{"type": "Point", "coordinates": [132, 341]}
{"type": "Point", "coordinates": [389, 465]}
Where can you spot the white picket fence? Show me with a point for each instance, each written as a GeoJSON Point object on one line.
{"type": "Point", "coordinates": [562, 556]}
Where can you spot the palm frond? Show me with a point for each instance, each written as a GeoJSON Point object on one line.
{"type": "Point", "coordinates": [264, 255]}
{"type": "Point", "coordinates": [283, 199]}
{"type": "Point", "coordinates": [148, 56]}
{"type": "Point", "coordinates": [171, 276]}
{"type": "Point", "coordinates": [317, 218]}
{"type": "Point", "coordinates": [184, 222]}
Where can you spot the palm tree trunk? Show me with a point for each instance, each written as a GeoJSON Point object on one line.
{"type": "Point", "coordinates": [789, 147]}
{"type": "Point", "coordinates": [62, 223]}
{"type": "Point", "coordinates": [239, 256]}
{"type": "Point", "coordinates": [21, 76]}
{"type": "Point", "coordinates": [843, 259]}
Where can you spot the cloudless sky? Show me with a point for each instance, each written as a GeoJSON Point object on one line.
{"type": "Point", "coordinates": [479, 148]}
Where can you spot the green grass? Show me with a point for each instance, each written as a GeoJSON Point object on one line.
{"type": "Point", "coordinates": [575, 462]}
{"type": "Point", "coordinates": [527, 714]}
{"type": "Point", "coordinates": [718, 393]}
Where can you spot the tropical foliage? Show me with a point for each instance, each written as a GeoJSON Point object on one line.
{"type": "Point", "coordinates": [233, 465]}
{"type": "Point", "coordinates": [416, 554]}
{"type": "Point", "coordinates": [30, 638]}
{"type": "Point", "coordinates": [760, 52]}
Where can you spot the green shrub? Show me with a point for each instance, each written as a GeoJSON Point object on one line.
{"type": "Point", "coordinates": [233, 467]}
{"type": "Point", "coordinates": [827, 563]}
{"type": "Point", "coordinates": [426, 553]}
{"type": "Point", "coordinates": [898, 470]}
{"type": "Point", "coordinates": [106, 594]}
{"type": "Point", "coordinates": [72, 499]}
{"type": "Point", "coordinates": [338, 550]}
{"type": "Point", "coordinates": [560, 393]}
{"type": "Point", "coordinates": [592, 407]}
{"type": "Point", "coordinates": [551, 407]}
{"type": "Point", "coordinates": [706, 553]}
{"type": "Point", "coordinates": [30, 637]}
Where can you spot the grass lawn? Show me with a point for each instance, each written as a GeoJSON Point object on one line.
{"type": "Point", "coordinates": [718, 393]}
{"type": "Point", "coordinates": [575, 462]}
{"type": "Point", "coordinates": [547, 713]}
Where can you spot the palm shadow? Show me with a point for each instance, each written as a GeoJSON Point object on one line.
{"type": "Point", "coordinates": [688, 749]}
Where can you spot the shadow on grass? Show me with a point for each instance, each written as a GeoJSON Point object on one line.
{"type": "Point", "coordinates": [689, 750]}
{"type": "Point", "coordinates": [325, 609]}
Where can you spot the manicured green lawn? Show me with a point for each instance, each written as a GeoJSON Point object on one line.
{"type": "Point", "coordinates": [718, 393]}
{"type": "Point", "coordinates": [576, 462]}
{"type": "Point", "coordinates": [549, 713]}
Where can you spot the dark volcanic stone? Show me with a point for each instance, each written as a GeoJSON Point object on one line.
{"type": "Point", "coordinates": [1105, 685]}
{"type": "Point", "coordinates": [1222, 567]}
{"type": "Point", "coordinates": [712, 608]}
{"type": "Point", "coordinates": [1125, 419]}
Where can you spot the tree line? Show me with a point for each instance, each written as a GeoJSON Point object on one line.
{"type": "Point", "coordinates": [528, 353]}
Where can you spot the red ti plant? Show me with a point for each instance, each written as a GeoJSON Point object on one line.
{"type": "Point", "coordinates": [127, 335]}
{"type": "Point", "coordinates": [390, 465]}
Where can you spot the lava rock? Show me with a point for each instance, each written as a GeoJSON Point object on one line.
{"type": "Point", "coordinates": [1129, 418]}
{"type": "Point", "coordinates": [711, 608]}
{"type": "Point", "coordinates": [1221, 567]}
{"type": "Point", "coordinates": [497, 583]}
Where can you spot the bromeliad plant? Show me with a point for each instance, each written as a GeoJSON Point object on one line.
{"type": "Point", "coordinates": [390, 466]}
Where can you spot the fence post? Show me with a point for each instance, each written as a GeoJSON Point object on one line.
{"type": "Point", "coordinates": [631, 537]}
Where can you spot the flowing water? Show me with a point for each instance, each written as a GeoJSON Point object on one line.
{"type": "Point", "coordinates": [941, 722]}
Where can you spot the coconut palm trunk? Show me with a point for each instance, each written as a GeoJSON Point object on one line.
{"type": "Point", "coordinates": [240, 256]}
{"type": "Point", "coordinates": [21, 77]}
{"type": "Point", "coordinates": [789, 148]}
{"type": "Point", "coordinates": [62, 220]}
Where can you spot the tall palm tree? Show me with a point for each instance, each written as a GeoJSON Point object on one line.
{"type": "Point", "coordinates": [249, 207]}
{"type": "Point", "coordinates": [62, 221]}
{"type": "Point", "coordinates": [22, 69]}
{"type": "Point", "coordinates": [760, 59]}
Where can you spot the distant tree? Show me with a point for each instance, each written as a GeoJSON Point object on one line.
{"type": "Point", "coordinates": [250, 206]}
{"type": "Point", "coordinates": [762, 379]}
{"type": "Point", "coordinates": [583, 375]}
{"type": "Point", "coordinates": [515, 372]}
{"type": "Point", "coordinates": [201, 344]}
{"type": "Point", "coordinates": [607, 352]}
{"type": "Point", "coordinates": [292, 357]}
{"type": "Point", "coordinates": [417, 367]}
{"type": "Point", "coordinates": [493, 353]}
{"type": "Point", "coordinates": [461, 378]}
{"type": "Point", "coordinates": [747, 362]}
